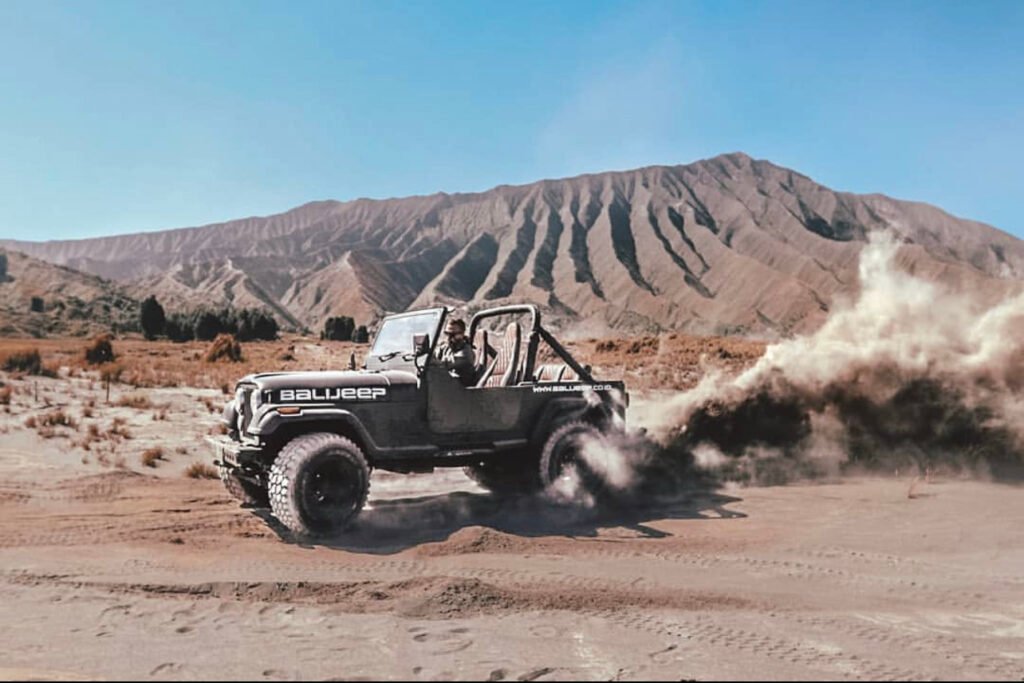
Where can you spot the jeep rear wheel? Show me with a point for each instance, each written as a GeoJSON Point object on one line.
{"type": "Point", "coordinates": [248, 492]}
{"type": "Point", "coordinates": [507, 478]}
{"type": "Point", "coordinates": [318, 484]}
{"type": "Point", "coordinates": [562, 465]}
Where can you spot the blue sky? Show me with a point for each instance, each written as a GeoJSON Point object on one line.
{"type": "Point", "coordinates": [127, 116]}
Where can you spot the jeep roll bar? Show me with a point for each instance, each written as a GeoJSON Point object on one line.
{"type": "Point", "coordinates": [536, 333]}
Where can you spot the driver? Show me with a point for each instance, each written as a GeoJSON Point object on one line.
{"type": "Point", "coordinates": [456, 353]}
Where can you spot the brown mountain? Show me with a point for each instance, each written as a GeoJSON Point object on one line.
{"type": "Point", "coordinates": [727, 244]}
{"type": "Point", "coordinates": [66, 302]}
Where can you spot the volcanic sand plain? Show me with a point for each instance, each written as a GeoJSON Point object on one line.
{"type": "Point", "coordinates": [115, 565]}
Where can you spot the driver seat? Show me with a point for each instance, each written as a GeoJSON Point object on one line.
{"type": "Point", "coordinates": [503, 370]}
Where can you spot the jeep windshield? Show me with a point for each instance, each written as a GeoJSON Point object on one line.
{"type": "Point", "coordinates": [393, 345]}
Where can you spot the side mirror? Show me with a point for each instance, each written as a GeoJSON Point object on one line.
{"type": "Point", "coordinates": [420, 344]}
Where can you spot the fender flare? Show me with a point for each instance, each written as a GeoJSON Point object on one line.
{"type": "Point", "coordinates": [554, 413]}
{"type": "Point", "coordinates": [273, 422]}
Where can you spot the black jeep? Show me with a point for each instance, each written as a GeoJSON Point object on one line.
{"type": "Point", "coordinates": [304, 443]}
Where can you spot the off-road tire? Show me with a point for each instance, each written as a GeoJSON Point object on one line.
{"type": "Point", "coordinates": [507, 478]}
{"type": "Point", "coordinates": [246, 492]}
{"type": "Point", "coordinates": [562, 449]}
{"type": "Point", "coordinates": [318, 484]}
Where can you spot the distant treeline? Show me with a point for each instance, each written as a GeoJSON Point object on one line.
{"type": "Point", "coordinates": [246, 324]}
{"type": "Point", "coordinates": [343, 328]}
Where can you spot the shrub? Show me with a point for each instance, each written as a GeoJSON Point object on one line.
{"type": "Point", "coordinates": [361, 335]}
{"type": "Point", "coordinates": [3, 267]}
{"type": "Point", "coordinates": [151, 455]}
{"type": "Point", "coordinates": [56, 418]}
{"type": "Point", "coordinates": [200, 470]}
{"type": "Point", "coordinates": [100, 350]}
{"type": "Point", "coordinates": [36, 304]}
{"type": "Point", "coordinates": [224, 347]}
{"type": "Point", "coordinates": [25, 360]}
{"type": "Point", "coordinates": [136, 401]}
{"type": "Point", "coordinates": [118, 430]}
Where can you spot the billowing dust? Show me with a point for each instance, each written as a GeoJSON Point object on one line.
{"type": "Point", "coordinates": [908, 375]}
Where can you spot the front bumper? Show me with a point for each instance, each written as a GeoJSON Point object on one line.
{"type": "Point", "coordinates": [229, 452]}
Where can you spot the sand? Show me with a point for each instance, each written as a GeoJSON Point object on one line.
{"type": "Point", "coordinates": [136, 572]}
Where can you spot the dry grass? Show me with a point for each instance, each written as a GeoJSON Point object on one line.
{"type": "Point", "coordinates": [92, 436]}
{"type": "Point", "coordinates": [224, 348]}
{"type": "Point", "coordinates": [5, 395]}
{"type": "Point", "coordinates": [200, 470]}
{"type": "Point", "coordinates": [150, 456]}
{"type": "Point", "coordinates": [58, 418]}
{"type": "Point", "coordinates": [674, 361]}
{"type": "Point", "coordinates": [111, 372]}
{"type": "Point", "coordinates": [47, 424]}
{"type": "Point", "coordinates": [118, 430]}
{"type": "Point", "coordinates": [136, 401]}
{"type": "Point", "coordinates": [28, 361]}
{"type": "Point", "coordinates": [164, 363]}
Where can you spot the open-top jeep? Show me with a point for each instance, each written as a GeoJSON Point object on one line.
{"type": "Point", "coordinates": [304, 442]}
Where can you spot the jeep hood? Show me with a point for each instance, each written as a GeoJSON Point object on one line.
{"type": "Point", "coordinates": [272, 381]}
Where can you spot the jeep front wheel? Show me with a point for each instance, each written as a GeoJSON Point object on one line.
{"type": "Point", "coordinates": [318, 484]}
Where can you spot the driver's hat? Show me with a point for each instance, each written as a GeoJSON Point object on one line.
{"type": "Point", "coordinates": [455, 325]}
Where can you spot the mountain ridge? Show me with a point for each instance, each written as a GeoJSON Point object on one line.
{"type": "Point", "coordinates": [726, 244]}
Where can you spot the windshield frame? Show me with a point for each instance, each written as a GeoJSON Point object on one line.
{"type": "Point", "coordinates": [405, 347]}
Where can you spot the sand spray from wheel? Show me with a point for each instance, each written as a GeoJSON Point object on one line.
{"type": "Point", "coordinates": [906, 375]}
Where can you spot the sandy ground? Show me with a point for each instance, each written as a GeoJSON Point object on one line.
{"type": "Point", "coordinates": [133, 572]}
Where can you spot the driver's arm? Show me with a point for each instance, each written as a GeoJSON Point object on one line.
{"type": "Point", "coordinates": [462, 363]}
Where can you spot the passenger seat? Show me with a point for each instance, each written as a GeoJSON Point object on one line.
{"type": "Point", "coordinates": [503, 371]}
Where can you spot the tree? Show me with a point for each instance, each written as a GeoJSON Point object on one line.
{"type": "Point", "coordinates": [208, 325]}
{"type": "Point", "coordinates": [179, 328]}
{"type": "Point", "coordinates": [3, 267]}
{"type": "Point", "coordinates": [265, 327]}
{"type": "Point", "coordinates": [152, 318]}
{"type": "Point", "coordinates": [339, 328]}
{"type": "Point", "coordinates": [256, 324]}
{"type": "Point", "coordinates": [361, 335]}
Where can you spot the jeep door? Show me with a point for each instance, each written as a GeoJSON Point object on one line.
{"type": "Point", "coordinates": [454, 408]}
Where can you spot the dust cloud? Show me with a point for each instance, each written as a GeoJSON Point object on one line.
{"type": "Point", "coordinates": [908, 375]}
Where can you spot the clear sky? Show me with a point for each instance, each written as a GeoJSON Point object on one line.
{"type": "Point", "coordinates": [127, 116]}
